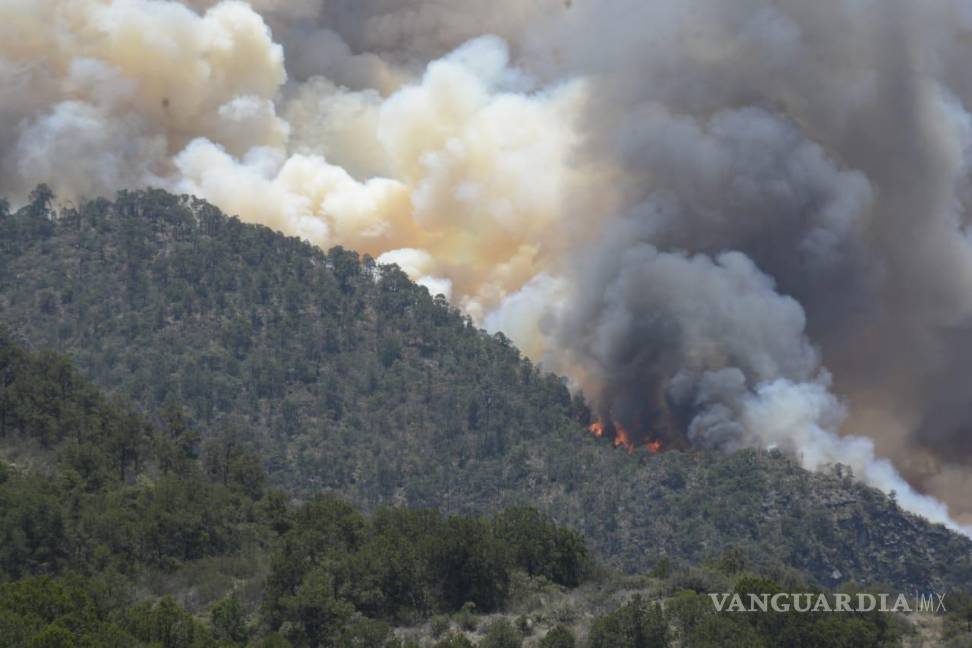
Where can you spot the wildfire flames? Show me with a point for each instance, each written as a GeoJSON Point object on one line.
{"type": "Point", "coordinates": [622, 437]}
{"type": "Point", "coordinates": [597, 429]}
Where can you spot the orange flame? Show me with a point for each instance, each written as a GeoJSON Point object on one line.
{"type": "Point", "coordinates": [622, 438]}
{"type": "Point", "coordinates": [654, 447]}
{"type": "Point", "coordinates": [597, 429]}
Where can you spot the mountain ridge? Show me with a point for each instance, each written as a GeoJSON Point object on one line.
{"type": "Point", "coordinates": [346, 376]}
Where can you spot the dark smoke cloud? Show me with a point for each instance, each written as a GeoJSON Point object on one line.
{"type": "Point", "coordinates": [826, 144]}
{"type": "Point", "coordinates": [733, 223]}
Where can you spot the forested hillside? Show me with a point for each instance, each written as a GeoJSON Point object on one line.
{"type": "Point", "coordinates": [117, 531]}
{"type": "Point", "coordinates": [102, 512]}
{"type": "Point", "coordinates": [335, 374]}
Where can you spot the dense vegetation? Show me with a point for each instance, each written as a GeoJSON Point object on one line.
{"type": "Point", "coordinates": [112, 499]}
{"type": "Point", "coordinates": [120, 531]}
{"type": "Point", "coordinates": [334, 374]}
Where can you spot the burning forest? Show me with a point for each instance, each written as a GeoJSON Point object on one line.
{"type": "Point", "coordinates": [730, 224]}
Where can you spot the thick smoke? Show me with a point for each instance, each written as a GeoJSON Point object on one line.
{"type": "Point", "coordinates": [827, 142]}
{"type": "Point", "coordinates": [731, 223]}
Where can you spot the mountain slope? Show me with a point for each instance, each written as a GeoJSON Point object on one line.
{"type": "Point", "coordinates": [114, 533]}
{"type": "Point", "coordinates": [103, 512]}
{"type": "Point", "coordinates": [347, 376]}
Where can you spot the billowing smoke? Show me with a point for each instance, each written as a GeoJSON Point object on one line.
{"type": "Point", "coordinates": [731, 223]}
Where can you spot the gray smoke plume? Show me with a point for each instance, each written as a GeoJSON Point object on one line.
{"type": "Point", "coordinates": [732, 223]}
{"type": "Point", "coordinates": [827, 145]}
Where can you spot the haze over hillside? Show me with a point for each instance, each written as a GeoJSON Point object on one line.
{"type": "Point", "coordinates": [343, 375]}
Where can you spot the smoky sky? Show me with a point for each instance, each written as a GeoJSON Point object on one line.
{"type": "Point", "coordinates": [730, 222]}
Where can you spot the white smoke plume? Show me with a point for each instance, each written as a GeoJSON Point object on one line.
{"type": "Point", "coordinates": [732, 223]}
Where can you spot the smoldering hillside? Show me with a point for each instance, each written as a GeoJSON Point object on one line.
{"type": "Point", "coordinates": [732, 223]}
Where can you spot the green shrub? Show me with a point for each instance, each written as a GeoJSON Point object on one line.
{"type": "Point", "coordinates": [455, 640]}
{"type": "Point", "coordinates": [440, 625]}
{"type": "Point", "coordinates": [635, 625]}
{"type": "Point", "coordinates": [501, 634]}
{"type": "Point", "coordinates": [466, 617]}
{"type": "Point", "coordinates": [560, 637]}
